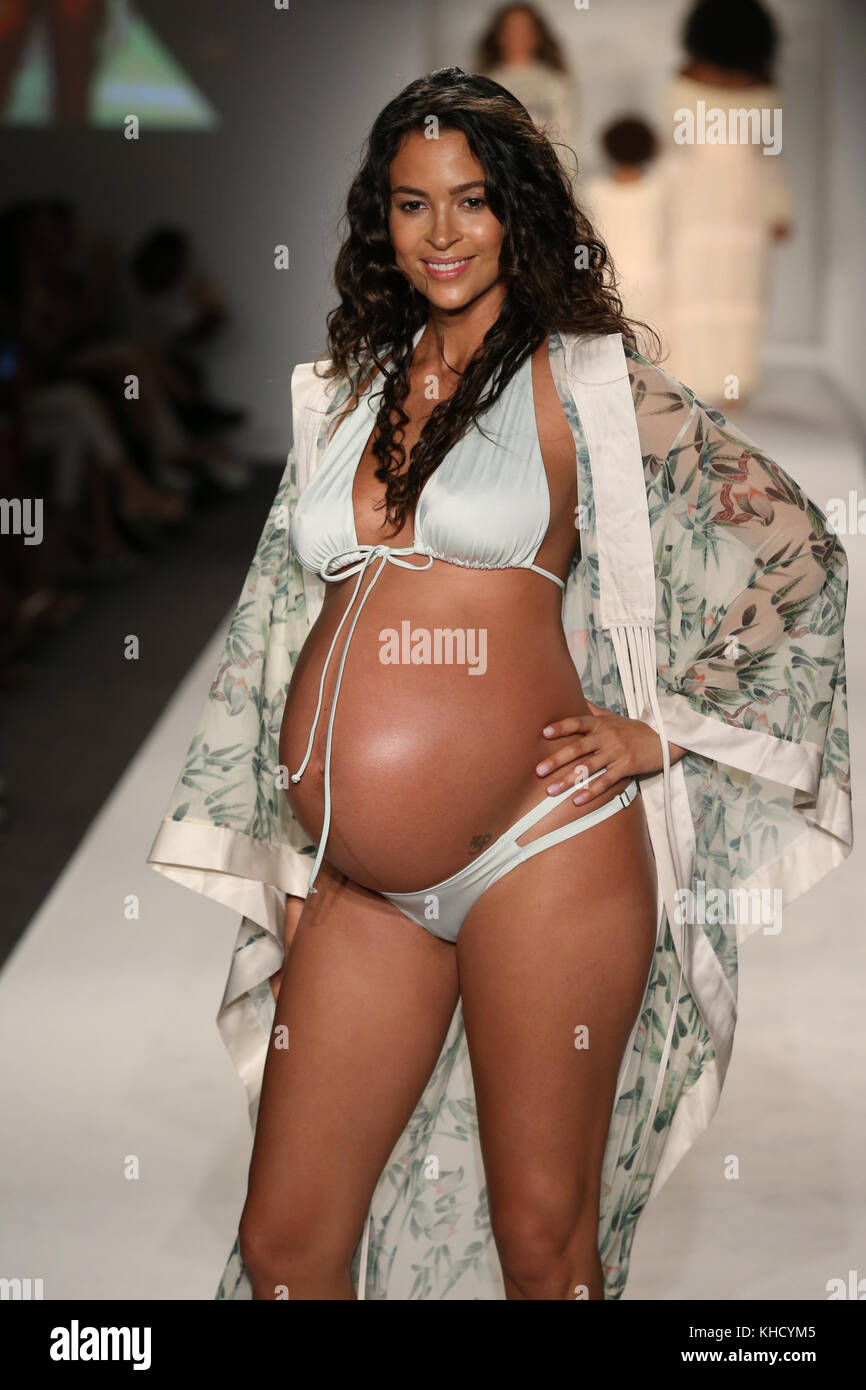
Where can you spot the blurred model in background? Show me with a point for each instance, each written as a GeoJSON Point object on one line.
{"type": "Point", "coordinates": [629, 207]}
{"type": "Point", "coordinates": [728, 201]}
{"type": "Point", "coordinates": [520, 51]}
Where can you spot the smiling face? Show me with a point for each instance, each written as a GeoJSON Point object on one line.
{"type": "Point", "coordinates": [446, 240]}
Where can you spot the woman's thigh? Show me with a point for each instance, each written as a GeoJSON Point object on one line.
{"type": "Point", "coordinates": [553, 962]}
{"type": "Point", "coordinates": [365, 1002]}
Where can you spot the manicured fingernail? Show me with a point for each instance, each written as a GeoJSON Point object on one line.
{"type": "Point", "coordinates": [548, 729]}
{"type": "Point", "coordinates": [542, 768]}
{"type": "Point", "coordinates": [578, 799]}
{"type": "Point", "coordinates": [554, 788]}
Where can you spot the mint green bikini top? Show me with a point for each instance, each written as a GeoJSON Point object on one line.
{"type": "Point", "coordinates": [487, 505]}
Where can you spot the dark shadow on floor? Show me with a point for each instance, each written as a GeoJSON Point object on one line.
{"type": "Point", "coordinates": [70, 732]}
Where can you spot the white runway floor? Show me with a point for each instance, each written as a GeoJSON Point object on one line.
{"type": "Point", "coordinates": [110, 1048]}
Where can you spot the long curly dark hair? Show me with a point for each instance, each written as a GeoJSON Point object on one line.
{"type": "Point", "coordinates": [557, 272]}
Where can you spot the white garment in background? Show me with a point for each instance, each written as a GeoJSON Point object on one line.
{"type": "Point", "coordinates": [631, 217]}
{"type": "Point", "coordinates": [548, 96]}
{"type": "Point", "coordinates": [724, 199]}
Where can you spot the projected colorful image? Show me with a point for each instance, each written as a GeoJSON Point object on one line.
{"type": "Point", "coordinates": [91, 62]}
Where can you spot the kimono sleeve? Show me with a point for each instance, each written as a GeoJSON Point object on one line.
{"type": "Point", "coordinates": [751, 586]}
{"type": "Point", "coordinates": [228, 831]}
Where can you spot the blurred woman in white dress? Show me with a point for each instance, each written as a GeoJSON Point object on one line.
{"type": "Point", "coordinates": [520, 52]}
{"type": "Point", "coordinates": [629, 207]}
{"type": "Point", "coordinates": [728, 200]}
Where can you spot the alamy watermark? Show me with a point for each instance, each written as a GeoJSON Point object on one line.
{"type": "Point", "coordinates": [88, 1343]}
{"type": "Point", "coordinates": [739, 125]}
{"type": "Point", "coordinates": [757, 907]}
{"type": "Point", "coordinates": [22, 516]}
{"type": "Point", "coordinates": [438, 646]}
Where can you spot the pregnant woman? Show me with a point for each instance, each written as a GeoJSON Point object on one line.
{"type": "Point", "coordinates": [446, 865]}
{"type": "Point", "coordinates": [445, 842]}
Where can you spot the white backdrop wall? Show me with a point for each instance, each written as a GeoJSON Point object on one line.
{"type": "Point", "coordinates": [843, 306]}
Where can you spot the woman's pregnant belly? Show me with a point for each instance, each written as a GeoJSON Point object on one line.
{"type": "Point", "coordinates": [431, 758]}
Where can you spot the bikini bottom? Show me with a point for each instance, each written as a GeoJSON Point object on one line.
{"type": "Point", "coordinates": [442, 908]}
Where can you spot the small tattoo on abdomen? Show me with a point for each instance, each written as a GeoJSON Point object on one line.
{"type": "Point", "coordinates": [478, 843]}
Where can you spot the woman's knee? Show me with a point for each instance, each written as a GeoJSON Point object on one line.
{"type": "Point", "coordinates": [298, 1239]}
{"type": "Point", "coordinates": [278, 1254]}
{"type": "Point", "coordinates": [545, 1249]}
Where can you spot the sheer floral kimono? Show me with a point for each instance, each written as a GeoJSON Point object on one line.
{"type": "Point", "coordinates": [707, 597]}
